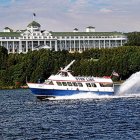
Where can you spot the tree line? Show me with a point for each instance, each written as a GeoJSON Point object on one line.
{"type": "Point", "coordinates": [16, 69]}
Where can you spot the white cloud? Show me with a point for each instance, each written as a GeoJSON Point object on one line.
{"type": "Point", "coordinates": [62, 15]}
{"type": "Point", "coordinates": [106, 10]}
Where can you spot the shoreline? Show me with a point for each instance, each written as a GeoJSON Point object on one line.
{"type": "Point", "coordinates": [13, 87]}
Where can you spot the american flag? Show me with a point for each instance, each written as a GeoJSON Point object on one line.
{"type": "Point", "coordinates": [115, 74]}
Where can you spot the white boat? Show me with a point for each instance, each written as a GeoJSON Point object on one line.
{"type": "Point", "coordinates": [64, 83]}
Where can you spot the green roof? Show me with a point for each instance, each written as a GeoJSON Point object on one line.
{"type": "Point", "coordinates": [34, 23]}
{"type": "Point", "coordinates": [9, 34]}
{"type": "Point", "coordinates": [86, 33]}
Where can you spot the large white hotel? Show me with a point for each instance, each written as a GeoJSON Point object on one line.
{"type": "Point", "coordinates": [33, 38]}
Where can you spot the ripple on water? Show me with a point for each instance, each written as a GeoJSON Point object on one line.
{"type": "Point", "coordinates": [22, 117]}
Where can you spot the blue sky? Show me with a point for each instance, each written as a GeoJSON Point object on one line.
{"type": "Point", "coordinates": [65, 15]}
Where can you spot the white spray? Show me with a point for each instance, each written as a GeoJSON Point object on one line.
{"type": "Point", "coordinates": [131, 85]}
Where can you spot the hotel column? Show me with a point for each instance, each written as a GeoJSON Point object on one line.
{"type": "Point", "coordinates": [121, 42]}
{"type": "Point", "coordinates": [32, 46]}
{"type": "Point", "coordinates": [99, 45]}
{"type": "Point", "coordinates": [56, 49]}
{"type": "Point", "coordinates": [93, 43]}
{"type": "Point", "coordinates": [6, 45]}
{"type": "Point", "coordinates": [38, 44]}
{"type": "Point", "coordinates": [84, 44]}
{"type": "Point", "coordinates": [60, 45]}
{"type": "Point", "coordinates": [115, 43]}
{"type": "Point", "coordinates": [109, 44]}
{"type": "Point", "coordinates": [13, 47]}
{"type": "Point", "coordinates": [26, 46]}
{"type": "Point", "coordinates": [20, 47]}
{"type": "Point", "coordinates": [104, 43]}
{"type": "Point", "coordinates": [74, 44]}
{"type": "Point", "coordinates": [70, 45]}
{"type": "Point", "coordinates": [65, 45]}
{"type": "Point", "coordinates": [45, 43]}
{"type": "Point", "coordinates": [51, 44]}
{"type": "Point", "coordinates": [79, 45]}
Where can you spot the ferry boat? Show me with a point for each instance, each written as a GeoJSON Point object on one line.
{"type": "Point", "coordinates": [64, 83]}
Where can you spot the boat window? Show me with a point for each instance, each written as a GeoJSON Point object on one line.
{"type": "Point", "coordinates": [47, 81]}
{"type": "Point", "coordinates": [75, 84]}
{"type": "Point", "coordinates": [64, 83]}
{"type": "Point", "coordinates": [106, 84]}
{"type": "Point", "coordinates": [88, 84]}
{"type": "Point", "coordinates": [51, 83]}
{"type": "Point", "coordinates": [93, 84]}
{"type": "Point", "coordinates": [80, 84]}
{"type": "Point", "coordinates": [69, 83]}
{"type": "Point", "coordinates": [59, 83]}
{"type": "Point", "coordinates": [65, 74]}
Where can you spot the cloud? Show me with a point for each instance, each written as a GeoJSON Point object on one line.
{"type": "Point", "coordinates": [106, 10]}
{"type": "Point", "coordinates": [64, 15]}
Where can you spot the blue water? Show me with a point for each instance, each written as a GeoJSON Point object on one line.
{"type": "Point", "coordinates": [23, 117]}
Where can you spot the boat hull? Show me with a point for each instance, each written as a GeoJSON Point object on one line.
{"type": "Point", "coordinates": [56, 92]}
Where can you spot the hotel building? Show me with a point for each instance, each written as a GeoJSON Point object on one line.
{"type": "Point", "coordinates": [33, 38]}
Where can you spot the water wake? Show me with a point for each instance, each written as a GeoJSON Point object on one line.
{"type": "Point", "coordinates": [90, 95]}
{"type": "Point", "coordinates": [131, 85]}
{"type": "Point", "coordinates": [81, 95]}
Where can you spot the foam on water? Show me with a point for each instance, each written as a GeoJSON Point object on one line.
{"type": "Point", "coordinates": [131, 85]}
{"type": "Point", "coordinates": [81, 95]}
{"type": "Point", "coordinates": [90, 95]}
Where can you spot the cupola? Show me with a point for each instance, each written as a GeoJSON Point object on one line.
{"type": "Point", "coordinates": [34, 26]}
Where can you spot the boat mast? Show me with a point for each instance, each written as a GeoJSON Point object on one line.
{"type": "Point", "coordinates": [66, 68]}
